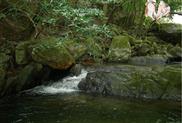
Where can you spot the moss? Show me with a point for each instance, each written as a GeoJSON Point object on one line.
{"type": "Point", "coordinates": [76, 49]}
{"type": "Point", "coordinates": [52, 52]}
{"type": "Point", "coordinates": [120, 49]}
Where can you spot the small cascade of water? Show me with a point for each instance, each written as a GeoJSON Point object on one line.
{"type": "Point", "coordinates": [66, 85]}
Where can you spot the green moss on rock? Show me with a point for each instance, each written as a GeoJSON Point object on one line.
{"type": "Point", "coordinates": [76, 49]}
{"type": "Point", "coordinates": [120, 49]}
{"type": "Point", "coordinates": [52, 53]}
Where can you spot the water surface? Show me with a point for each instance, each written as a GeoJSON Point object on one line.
{"type": "Point", "coordinates": [84, 108]}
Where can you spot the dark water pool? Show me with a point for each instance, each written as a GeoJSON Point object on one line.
{"type": "Point", "coordinates": [83, 108]}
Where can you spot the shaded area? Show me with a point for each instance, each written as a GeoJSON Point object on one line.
{"type": "Point", "coordinates": [81, 108]}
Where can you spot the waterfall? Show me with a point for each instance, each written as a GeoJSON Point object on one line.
{"type": "Point", "coordinates": [66, 85]}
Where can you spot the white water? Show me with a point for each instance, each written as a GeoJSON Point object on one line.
{"type": "Point", "coordinates": [66, 85]}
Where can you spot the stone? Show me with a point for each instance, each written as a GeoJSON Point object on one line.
{"type": "Point", "coordinates": [120, 49]}
{"type": "Point", "coordinates": [76, 69]}
{"type": "Point", "coordinates": [24, 79]}
{"type": "Point", "coordinates": [21, 54]}
{"type": "Point", "coordinates": [170, 32]}
{"type": "Point", "coordinates": [4, 59]}
{"type": "Point", "coordinates": [148, 60]}
{"type": "Point", "coordinates": [176, 51]}
{"type": "Point", "coordinates": [2, 78]}
{"type": "Point", "coordinates": [51, 52]}
{"type": "Point", "coordinates": [17, 25]}
{"type": "Point", "coordinates": [158, 82]}
{"type": "Point", "coordinates": [76, 49]}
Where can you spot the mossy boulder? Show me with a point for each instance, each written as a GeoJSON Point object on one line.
{"type": "Point", "coordinates": [76, 49]}
{"type": "Point", "coordinates": [156, 82]}
{"type": "Point", "coordinates": [52, 52]}
{"type": "Point", "coordinates": [16, 24]}
{"type": "Point", "coordinates": [22, 56]}
{"type": "Point", "coordinates": [120, 49]}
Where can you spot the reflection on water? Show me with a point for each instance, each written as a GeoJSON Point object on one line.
{"type": "Point", "coordinates": [82, 108]}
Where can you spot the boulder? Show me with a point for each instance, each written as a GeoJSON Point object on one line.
{"type": "Point", "coordinates": [76, 69]}
{"type": "Point", "coordinates": [17, 24]}
{"type": "Point", "coordinates": [16, 27]}
{"type": "Point", "coordinates": [21, 53]}
{"type": "Point", "coordinates": [148, 60]}
{"type": "Point", "coordinates": [120, 49]}
{"type": "Point", "coordinates": [76, 49]}
{"type": "Point", "coordinates": [25, 79]}
{"type": "Point", "coordinates": [135, 82]}
{"type": "Point", "coordinates": [4, 59]}
{"type": "Point", "coordinates": [52, 53]}
{"type": "Point", "coordinates": [2, 78]}
{"type": "Point", "coordinates": [170, 32]}
{"type": "Point", "coordinates": [4, 64]}
{"type": "Point", "coordinates": [176, 52]}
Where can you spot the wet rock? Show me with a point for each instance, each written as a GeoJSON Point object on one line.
{"type": "Point", "coordinates": [53, 54]}
{"type": "Point", "coordinates": [135, 82]}
{"type": "Point", "coordinates": [120, 49]}
{"type": "Point", "coordinates": [76, 70]}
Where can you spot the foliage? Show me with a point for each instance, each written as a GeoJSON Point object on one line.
{"type": "Point", "coordinates": [79, 20]}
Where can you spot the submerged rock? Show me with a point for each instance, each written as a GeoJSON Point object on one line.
{"type": "Point", "coordinates": [120, 49]}
{"type": "Point", "coordinates": [53, 54]}
{"type": "Point", "coordinates": [135, 82]}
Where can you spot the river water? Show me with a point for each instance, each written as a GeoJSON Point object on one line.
{"type": "Point", "coordinates": [62, 102]}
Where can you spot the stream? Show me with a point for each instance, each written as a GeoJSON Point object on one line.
{"type": "Point", "coordinates": [63, 102]}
